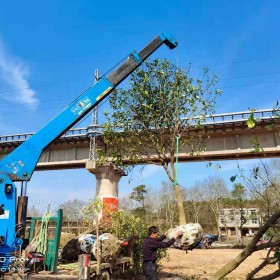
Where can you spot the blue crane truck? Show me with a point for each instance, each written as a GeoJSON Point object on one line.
{"type": "Point", "coordinates": [19, 165]}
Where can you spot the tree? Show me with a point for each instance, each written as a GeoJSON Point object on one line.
{"type": "Point", "coordinates": [92, 211]}
{"type": "Point", "coordinates": [197, 200]}
{"type": "Point", "coordinates": [239, 202]}
{"type": "Point", "coordinates": [128, 226]}
{"type": "Point", "coordinates": [168, 203]}
{"type": "Point", "coordinates": [139, 194]}
{"type": "Point", "coordinates": [161, 106]}
{"type": "Point", "coordinates": [126, 204]}
{"type": "Point", "coordinates": [216, 191]}
{"type": "Point", "coordinates": [34, 212]}
{"type": "Point", "coordinates": [263, 184]}
{"type": "Point", "coordinates": [250, 248]}
{"type": "Point", "coordinates": [72, 209]}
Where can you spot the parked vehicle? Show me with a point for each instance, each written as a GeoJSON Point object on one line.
{"type": "Point", "coordinates": [207, 241]}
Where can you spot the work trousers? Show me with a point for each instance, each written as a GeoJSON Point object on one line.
{"type": "Point", "coordinates": [150, 271]}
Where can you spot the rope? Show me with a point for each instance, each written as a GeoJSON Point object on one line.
{"type": "Point", "coordinates": [68, 266]}
{"type": "Point", "coordinates": [43, 234]}
{"type": "Point", "coordinates": [175, 183]}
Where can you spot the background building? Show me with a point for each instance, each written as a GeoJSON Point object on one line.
{"type": "Point", "coordinates": [240, 222]}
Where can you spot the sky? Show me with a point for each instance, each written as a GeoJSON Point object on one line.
{"type": "Point", "coordinates": [49, 51]}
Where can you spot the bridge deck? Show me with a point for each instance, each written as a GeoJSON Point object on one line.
{"type": "Point", "coordinates": [227, 137]}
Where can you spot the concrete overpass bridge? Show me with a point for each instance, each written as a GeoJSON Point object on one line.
{"type": "Point", "coordinates": [227, 136]}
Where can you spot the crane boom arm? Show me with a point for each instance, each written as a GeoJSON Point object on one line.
{"type": "Point", "coordinates": [20, 164]}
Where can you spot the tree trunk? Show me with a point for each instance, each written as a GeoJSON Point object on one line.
{"type": "Point", "coordinates": [218, 226]}
{"type": "Point", "coordinates": [233, 264]}
{"type": "Point", "coordinates": [181, 211]}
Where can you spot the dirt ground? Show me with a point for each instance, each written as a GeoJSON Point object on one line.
{"type": "Point", "coordinates": [203, 263]}
{"type": "Point", "coordinates": [199, 264]}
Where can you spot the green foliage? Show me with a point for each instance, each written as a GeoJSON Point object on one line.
{"type": "Point", "coordinates": [251, 121]}
{"type": "Point", "coordinates": [160, 104]}
{"type": "Point", "coordinates": [256, 144]}
{"type": "Point", "coordinates": [161, 100]}
{"type": "Point", "coordinates": [139, 212]}
{"type": "Point", "coordinates": [239, 192]}
{"type": "Point", "coordinates": [91, 210]}
{"type": "Point", "coordinates": [128, 226]}
{"type": "Point", "coordinates": [139, 194]}
{"type": "Point", "coordinates": [233, 178]}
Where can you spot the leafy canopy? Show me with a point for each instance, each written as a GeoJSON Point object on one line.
{"type": "Point", "coordinates": [161, 103]}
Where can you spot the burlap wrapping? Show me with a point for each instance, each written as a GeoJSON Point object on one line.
{"type": "Point", "coordinates": [109, 246]}
{"type": "Point", "coordinates": [192, 235]}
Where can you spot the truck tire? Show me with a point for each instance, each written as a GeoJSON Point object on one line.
{"type": "Point", "coordinates": [105, 275]}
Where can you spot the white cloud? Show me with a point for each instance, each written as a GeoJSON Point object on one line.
{"type": "Point", "coordinates": [15, 73]}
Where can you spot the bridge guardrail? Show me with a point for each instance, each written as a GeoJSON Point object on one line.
{"type": "Point", "coordinates": [93, 130]}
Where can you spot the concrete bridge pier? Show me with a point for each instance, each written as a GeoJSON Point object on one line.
{"type": "Point", "coordinates": [107, 179]}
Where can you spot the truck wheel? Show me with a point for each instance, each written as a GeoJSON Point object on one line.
{"type": "Point", "coordinates": [105, 275]}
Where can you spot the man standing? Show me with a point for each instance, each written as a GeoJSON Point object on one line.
{"type": "Point", "coordinates": [149, 250]}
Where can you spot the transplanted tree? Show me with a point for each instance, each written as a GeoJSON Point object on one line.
{"type": "Point", "coordinates": [161, 105]}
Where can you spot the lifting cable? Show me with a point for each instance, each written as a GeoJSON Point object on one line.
{"type": "Point", "coordinates": [175, 183]}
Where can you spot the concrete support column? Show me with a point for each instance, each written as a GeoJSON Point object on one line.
{"type": "Point", "coordinates": [276, 139]}
{"type": "Point", "coordinates": [107, 179]}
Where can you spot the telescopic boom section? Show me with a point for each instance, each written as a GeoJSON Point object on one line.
{"type": "Point", "coordinates": [20, 164]}
{"type": "Point", "coordinates": [136, 59]}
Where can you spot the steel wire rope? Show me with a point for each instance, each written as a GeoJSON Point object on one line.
{"type": "Point", "coordinates": [60, 82]}
{"type": "Point", "coordinates": [44, 101]}
{"type": "Point", "coordinates": [83, 119]}
{"type": "Point", "coordinates": [33, 88]}
{"type": "Point", "coordinates": [88, 114]}
{"type": "Point", "coordinates": [41, 109]}
{"type": "Point", "coordinates": [175, 183]}
{"type": "Point", "coordinates": [86, 117]}
{"type": "Point", "coordinates": [226, 78]}
{"type": "Point", "coordinates": [218, 63]}
{"type": "Point", "coordinates": [32, 104]}
{"type": "Point", "coordinates": [40, 85]}
{"type": "Point", "coordinates": [252, 84]}
{"type": "Point", "coordinates": [275, 57]}
{"type": "Point", "coordinates": [248, 76]}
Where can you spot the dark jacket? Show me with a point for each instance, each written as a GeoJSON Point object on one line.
{"type": "Point", "coordinates": [150, 246]}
